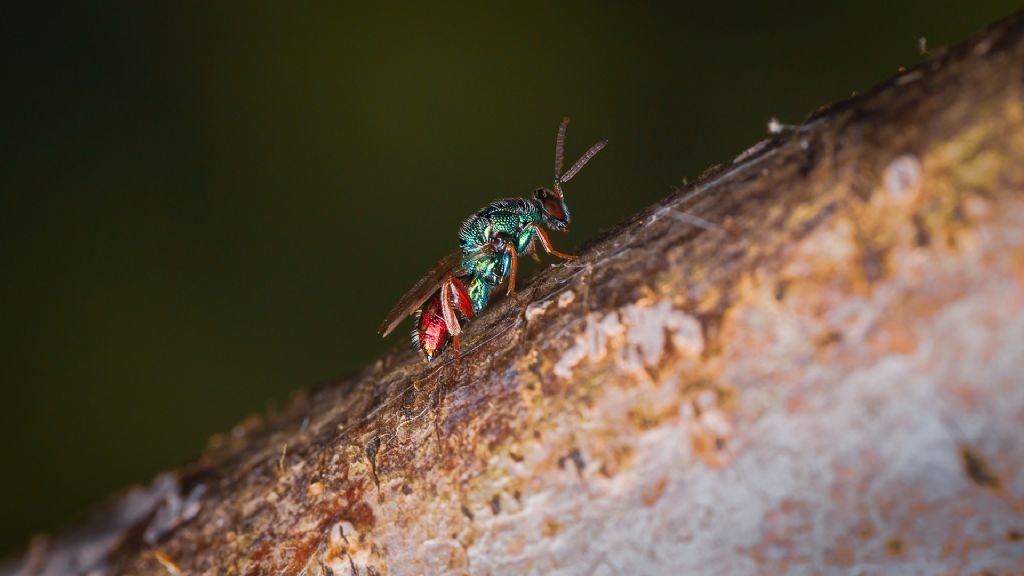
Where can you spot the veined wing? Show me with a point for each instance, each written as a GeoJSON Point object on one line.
{"type": "Point", "coordinates": [423, 289]}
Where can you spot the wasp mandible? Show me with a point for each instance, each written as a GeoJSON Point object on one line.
{"type": "Point", "coordinates": [490, 244]}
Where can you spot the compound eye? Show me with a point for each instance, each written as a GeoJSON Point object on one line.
{"type": "Point", "coordinates": [541, 194]}
{"type": "Point", "coordinates": [554, 208]}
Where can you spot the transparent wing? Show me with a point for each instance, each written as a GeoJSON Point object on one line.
{"type": "Point", "coordinates": [423, 289]}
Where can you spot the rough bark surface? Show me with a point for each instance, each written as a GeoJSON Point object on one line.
{"type": "Point", "coordinates": [831, 380]}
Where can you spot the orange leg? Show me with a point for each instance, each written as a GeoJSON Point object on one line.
{"type": "Point", "coordinates": [450, 320]}
{"type": "Point", "coordinates": [455, 353]}
{"type": "Point", "coordinates": [546, 243]}
{"type": "Point", "coordinates": [512, 273]}
{"type": "Point", "coordinates": [448, 308]}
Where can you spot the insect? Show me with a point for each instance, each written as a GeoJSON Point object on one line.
{"type": "Point", "coordinates": [490, 244]}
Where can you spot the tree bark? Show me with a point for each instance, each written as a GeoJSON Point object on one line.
{"type": "Point", "coordinates": [828, 380]}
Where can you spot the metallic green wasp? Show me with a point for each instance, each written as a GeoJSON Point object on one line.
{"type": "Point", "coordinates": [491, 242]}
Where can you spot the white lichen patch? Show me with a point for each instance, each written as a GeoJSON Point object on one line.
{"type": "Point", "coordinates": [536, 310]}
{"type": "Point", "coordinates": [903, 178]}
{"type": "Point", "coordinates": [647, 330]}
{"type": "Point", "coordinates": [649, 326]}
{"type": "Point", "coordinates": [592, 343]}
{"type": "Point", "coordinates": [824, 251]}
{"type": "Point", "coordinates": [443, 556]}
{"type": "Point", "coordinates": [347, 552]}
{"type": "Point", "coordinates": [566, 298]}
{"type": "Point", "coordinates": [715, 421]}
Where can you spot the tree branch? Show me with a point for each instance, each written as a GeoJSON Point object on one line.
{"type": "Point", "coordinates": [829, 379]}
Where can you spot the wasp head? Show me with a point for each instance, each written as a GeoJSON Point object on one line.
{"type": "Point", "coordinates": [552, 206]}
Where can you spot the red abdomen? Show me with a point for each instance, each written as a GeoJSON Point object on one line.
{"type": "Point", "coordinates": [431, 333]}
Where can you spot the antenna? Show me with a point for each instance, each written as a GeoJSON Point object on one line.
{"type": "Point", "coordinates": [561, 178]}
{"type": "Point", "coordinates": [560, 146]}
{"type": "Point", "coordinates": [582, 161]}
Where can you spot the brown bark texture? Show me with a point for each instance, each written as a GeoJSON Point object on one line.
{"type": "Point", "coordinates": [832, 379]}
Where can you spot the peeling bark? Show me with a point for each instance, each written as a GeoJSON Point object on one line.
{"type": "Point", "coordinates": [831, 380]}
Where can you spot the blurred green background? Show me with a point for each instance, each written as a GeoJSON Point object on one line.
{"type": "Point", "coordinates": [209, 205]}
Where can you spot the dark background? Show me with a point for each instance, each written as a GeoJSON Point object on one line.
{"type": "Point", "coordinates": [208, 206]}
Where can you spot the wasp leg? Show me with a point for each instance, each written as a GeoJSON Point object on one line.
{"type": "Point", "coordinates": [455, 353]}
{"type": "Point", "coordinates": [448, 308]}
{"type": "Point", "coordinates": [546, 243]}
{"type": "Point", "coordinates": [455, 299]}
{"type": "Point", "coordinates": [512, 272]}
{"type": "Point", "coordinates": [448, 291]}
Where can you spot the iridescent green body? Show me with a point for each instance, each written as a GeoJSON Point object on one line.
{"type": "Point", "coordinates": [512, 220]}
